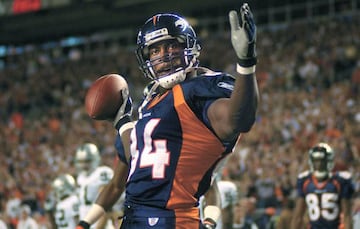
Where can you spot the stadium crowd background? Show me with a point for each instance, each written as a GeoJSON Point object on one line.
{"type": "Point", "coordinates": [309, 78]}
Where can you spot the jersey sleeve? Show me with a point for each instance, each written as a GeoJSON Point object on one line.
{"type": "Point", "coordinates": [347, 186]}
{"type": "Point", "coordinates": [120, 149]}
{"type": "Point", "coordinates": [299, 189]}
{"type": "Point", "coordinates": [300, 183]}
{"type": "Point", "coordinates": [202, 91]}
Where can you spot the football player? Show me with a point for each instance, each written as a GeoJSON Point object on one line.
{"type": "Point", "coordinates": [91, 178]}
{"type": "Point", "coordinates": [66, 211]}
{"type": "Point", "coordinates": [189, 120]}
{"type": "Point", "coordinates": [325, 196]}
{"type": "Point", "coordinates": [228, 194]}
{"type": "Point", "coordinates": [222, 197]}
{"type": "Point", "coordinates": [229, 197]}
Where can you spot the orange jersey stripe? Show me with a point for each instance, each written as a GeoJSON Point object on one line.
{"type": "Point", "coordinates": [187, 218]}
{"type": "Point", "coordinates": [195, 159]}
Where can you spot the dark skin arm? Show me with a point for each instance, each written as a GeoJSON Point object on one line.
{"type": "Point", "coordinates": [101, 223]}
{"type": "Point", "coordinates": [298, 215]}
{"type": "Point", "coordinates": [230, 116]}
{"type": "Point", "coordinates": [346, 211]}
{"type": "Point", "coordinates": [113, 190]}
{"type": "Point", "coordinates": [212, 196]}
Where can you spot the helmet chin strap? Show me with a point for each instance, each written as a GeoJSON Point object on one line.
{"type": "Point", "coordinates": [148, 97]}
{"type": "Point", "coordinates": [171, 80]}
{"type": "Point", "coordinates": [178, 76]}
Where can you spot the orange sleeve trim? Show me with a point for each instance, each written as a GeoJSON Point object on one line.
{"type": "Point", "coordinates": [306, 183]}
{"type": "Point", "coordinates": [157, 99]}
{"type": "Point", "coordinates": [337, 185]}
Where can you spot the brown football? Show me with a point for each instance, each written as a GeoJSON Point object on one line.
{"type": "Point", "coordinates": [104, 98]}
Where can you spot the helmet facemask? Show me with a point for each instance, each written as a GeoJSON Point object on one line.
{"type": "Point", "coordinates": [321, 160]}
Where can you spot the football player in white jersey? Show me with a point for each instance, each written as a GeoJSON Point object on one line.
{"type": "Point", "coordinates": [229, 197]}
{"type": "Point", "coordinates": [92, 176]}
{"type": "Point", "coordinates": [66, 211]}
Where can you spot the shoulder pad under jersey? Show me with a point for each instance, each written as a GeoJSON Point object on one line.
{"type": "Point", "coordinates": [344, 174]}
{"type": "Point", "coordinates": [304, 174]}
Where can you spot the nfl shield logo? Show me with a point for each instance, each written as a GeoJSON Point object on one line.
{"type": "Point", "coordinates": [153, 221]}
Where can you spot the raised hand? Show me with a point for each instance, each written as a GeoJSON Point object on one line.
{"type": "Point", "coordinates": [243, 36]}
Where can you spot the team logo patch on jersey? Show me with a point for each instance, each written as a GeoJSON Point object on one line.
{"type": "Point", "coordinates": [226, 86]}
{"type": "Point", "coordinates": [146, 115]}
{"type": "Point", "coordinates": [153, 221]}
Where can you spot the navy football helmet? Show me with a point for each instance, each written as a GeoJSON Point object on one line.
{"type": "Point", "coordinates": [162, 27]}
{"type": "Point", "coordinates": [324, 154]}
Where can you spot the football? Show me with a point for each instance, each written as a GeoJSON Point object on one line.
{"type": "Point", "coordinates": [104, 98]}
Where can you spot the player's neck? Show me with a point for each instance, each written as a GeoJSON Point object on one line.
{"type": "Point", "coordinates": [321, 179]}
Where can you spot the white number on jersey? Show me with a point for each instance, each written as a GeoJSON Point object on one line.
{"type": "Point", "coordinates": [327, 208]}
{"type": "Point", "coordinates": [157, 158]}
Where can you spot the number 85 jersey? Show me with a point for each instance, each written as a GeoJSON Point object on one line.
{"type": "Point", "coordinates": [323, 199]}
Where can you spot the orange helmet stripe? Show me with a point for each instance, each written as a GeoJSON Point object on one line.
{"type": "Point", "coordinates": [155, 19]}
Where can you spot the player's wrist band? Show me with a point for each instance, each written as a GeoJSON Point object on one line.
{"type": "Point", "coordinates": [83, 225]}
{"type": "Point", "coordinates": [95, 212]}
{"type": "Point", "coordinates": [212, 214]}
{"type": "Point", "coordinates": [209, 223]}
{"type": "Point", "coordinates": [245, 70]}
{"type": "Point", "coordinates": [126, 126]}
{"type": "Point", "coordinates": [123, 120]}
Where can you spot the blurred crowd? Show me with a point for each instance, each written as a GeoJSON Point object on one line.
{"type": "Point", "coordinates": [309, 79]}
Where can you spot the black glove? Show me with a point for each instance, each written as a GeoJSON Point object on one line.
{"type": "Point", "coordinates": [125, 116]}
{"type": "Point", "coordinates": [83, 225]}
{"type": "Point", "coordinates": [124, 113]}
{"type": "Point", "coordinates": [243, 35]}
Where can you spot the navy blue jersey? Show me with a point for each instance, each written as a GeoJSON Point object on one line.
{"type": "Point", "coordinates": [120, 149]}
{"type": "Point", "coordinates": [173, 148]}
{"type": "Point", "coordinates": [323, 198]}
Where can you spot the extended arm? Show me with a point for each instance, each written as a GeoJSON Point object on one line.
{"type": "Point", "coordinates": [112, 191]}
{"type": "Point", "coordinates": [298, 213]}
{"type": "Point", "coordinates": [230, 116]}
{"type": "Point", "coordinates": [346, 211]}
{"type": "Point", "coordinates": [212, 207]}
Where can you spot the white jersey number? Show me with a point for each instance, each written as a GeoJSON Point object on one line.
{"type": "Point", "coordinates": [157, 157]}
{"type": "Point", "coordinates": [326, 206]}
